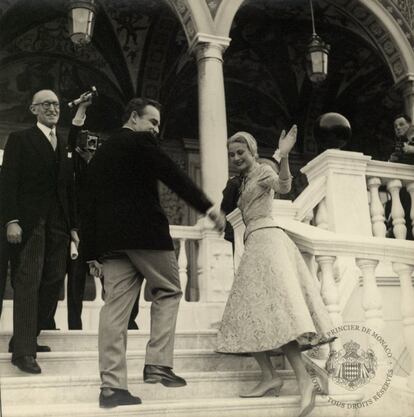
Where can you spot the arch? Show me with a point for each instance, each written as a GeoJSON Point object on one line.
{"type": "Point", "coordinates": [225, 15]}
{"type": "Point", "coordinates": [378, 18]}
{"type": "Point", "coordinates": [385, 31]}
{"type": "Point", "coordinates": [194, 16]}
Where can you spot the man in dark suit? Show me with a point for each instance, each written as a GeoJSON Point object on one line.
{"type": "Point", "coordinates": [37, 211]}
{"type": "Point", "coordinates": [127, 230]}
{"type": "Point", "coordinates": [78, 268]}
{"type": "Point", "coordinates": [404, 154]}
{"type": "Point", "coordinates": [231, 195]}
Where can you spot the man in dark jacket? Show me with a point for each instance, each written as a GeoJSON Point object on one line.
{"type": "Point", "coordinates": [404, 154]}
{"type": "Point", "coordinates": [125, 228]}
{"type": "Point", "coordinates": [231, 195]}
{"type": "Point", "coordinates": [37, 195]}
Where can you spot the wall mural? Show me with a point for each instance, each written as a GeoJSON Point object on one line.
{"type": "Point", "coordinates": [132, 20]}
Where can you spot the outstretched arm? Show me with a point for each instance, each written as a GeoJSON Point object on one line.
{"type": "Point", "coordinates": [286, 144]}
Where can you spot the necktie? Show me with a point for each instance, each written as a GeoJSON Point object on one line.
{"type": "Point", "coordinates": [53, 139]}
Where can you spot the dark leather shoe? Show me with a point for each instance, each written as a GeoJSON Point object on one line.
{"type": "Point", "coordinates": [43, 348]}
{"type": "Point", "coordinates": [39, 348]}
{"type": "Point", "coordinates": [162, 374]}
{"type": "Point", "coordinates": [118, 397]}
{"type": "Point", "coordinates": [27, 364]}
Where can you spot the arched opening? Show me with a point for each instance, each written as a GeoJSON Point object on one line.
{"type": "Point", "coordinates": [267, 88]}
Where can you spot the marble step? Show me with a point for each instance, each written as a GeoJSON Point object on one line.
{"type": "Point", "coordinates": [86, 362]}
{"type": "Point", "coordinates": [283, 406]}
{"type": "Point", "coordinates": [39, 389]}
{"type": "Point", "coordinates": [76, 340]}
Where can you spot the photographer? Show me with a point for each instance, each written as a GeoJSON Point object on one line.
{"type": "Point", "coordinates": [404, 140]}
{"type": "Point", "coordinates": [403, 153]}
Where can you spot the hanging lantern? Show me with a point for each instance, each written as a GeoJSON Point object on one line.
{"type": "Point", "coordinates": [82, 18]}
{"type": "Point", "coordinates": [317, 59]}
{"type": "Point", "coordinates": [317, 55]}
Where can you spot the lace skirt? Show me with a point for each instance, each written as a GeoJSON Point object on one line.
{"type": "Point", "coordinates": [274, 299]}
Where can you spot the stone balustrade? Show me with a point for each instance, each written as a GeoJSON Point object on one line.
{"type": "Point", "coordinates": [398, 179]}
{"type": "Point", "coordinates": [208, 274]}
{"type": "Point", "coordinates": [340, 216]}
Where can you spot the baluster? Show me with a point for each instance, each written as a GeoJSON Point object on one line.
{"type": "Point", "coordinates": [199, 265]}
{"type": "Point", "coordinates": [397, 210]}
{"type": "Point", "coordinates": [182, 266]}
{"type": "Point", "coordinates": [321, 218]}
{"type": "Point", "coordinates": [99, 292]}
{"type": "Point", "coordinates": [404, 272]}
{"type": "Point", "coordinates": [410, 189]}
{"type": "Point", "coordinates": [329, 289]}
{"type": "Point", "coordinates": [371, 299]}
{"type": "Point", "coordinates": [329, 292]}
{"type": "Point", "coordinates": [372, 304]}
{"type": "Point", "coordinates": [376, 208]}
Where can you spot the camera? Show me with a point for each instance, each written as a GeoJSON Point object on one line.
{"type": "Point", "coordinates": [87, 140]}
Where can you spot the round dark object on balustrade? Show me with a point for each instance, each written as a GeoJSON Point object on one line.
{"type": "Point", "coordinates": [332, 131]}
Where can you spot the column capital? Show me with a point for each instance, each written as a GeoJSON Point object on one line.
{"type": "Point", "coordinates": [325, 259]}
{"type": "Point", "coordinates": [408, 88]}
{"type": "Point", "coordinates": [402, 269]}
{"type": "Point", "coordinates": [407, 85]}
{"type": "Point", "coordinates": [364, 263]}
{"type": "Point", "coordinates": [205, 45]}
{"type": "Point", "coordinates": [373, 182]}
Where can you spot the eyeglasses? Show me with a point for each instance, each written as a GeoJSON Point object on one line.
{"type": "Point", "coordinates": [46, 105]}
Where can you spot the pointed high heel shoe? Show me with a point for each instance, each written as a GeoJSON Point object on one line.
{"type": "Point", "coordinates": [307, 408]}
{"type": "Point", "coordinates": [272, 387]}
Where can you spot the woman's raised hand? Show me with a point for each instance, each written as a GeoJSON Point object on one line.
{"type": "Point", "coordinates": [287, 141]}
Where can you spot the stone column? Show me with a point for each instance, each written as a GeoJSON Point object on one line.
{"type": "Point", "coordinates": [209, 50]}
{"type": "Point", "coordinates": [408, 93]}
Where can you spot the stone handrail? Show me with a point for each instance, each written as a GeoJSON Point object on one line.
{"type": "Point", "coordinates": [186, 232]}
{"type": "Point", "coordinates": [319, 242]}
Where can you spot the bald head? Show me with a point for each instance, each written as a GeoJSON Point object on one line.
{"type": "Point", "coordinates": [41, 94]}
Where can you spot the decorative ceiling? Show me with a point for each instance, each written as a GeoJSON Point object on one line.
{"type": "Point", "coordinates": [140, 48]}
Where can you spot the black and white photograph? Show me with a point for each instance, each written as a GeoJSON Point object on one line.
{"type": "Point", "coordinates": [206, 208]}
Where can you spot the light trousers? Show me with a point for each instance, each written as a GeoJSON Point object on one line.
{"type": "Point", "coordinates": [123, 275]}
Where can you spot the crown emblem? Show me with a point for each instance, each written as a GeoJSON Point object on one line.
{"type": "Point", "coordinates": [352, 367]}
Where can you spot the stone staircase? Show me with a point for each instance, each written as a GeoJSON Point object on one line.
{"type": "Point", "coordinates": [69, 383]}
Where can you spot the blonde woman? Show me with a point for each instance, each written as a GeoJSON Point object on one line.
{"type": "Point", "coordinates": [274, 302]}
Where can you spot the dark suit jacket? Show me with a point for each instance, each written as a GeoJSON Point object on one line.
{"type": "Point", "coordinates": [122, 207]}
{"type": "Point", "coordinates": [34, 177]}
{"type": "Point", "coordinates": [231, 195]}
